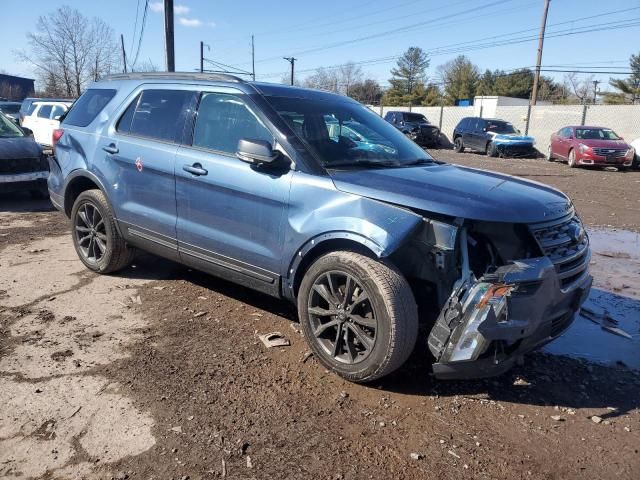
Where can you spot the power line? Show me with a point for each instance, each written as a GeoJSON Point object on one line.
{"type": "Point", "coordinates": [474, 45]}
{"type": "Point", "coordinates": [142, 26]}
{"type": "Point", "coordinates": [135, 26]}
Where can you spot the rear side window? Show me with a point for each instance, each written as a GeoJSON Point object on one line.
{"type": "Point", "coordinates": [156, 114]}
{"type": "Point", "coordinates": [57, 111]}
{"type": "Point", "coordinates": [464, 123]}
{"type": "Point", "coordinates": [223, 120]}
{"type": "Point", "coordinates": [88, 106]}
{"type": "Point", "coordinates": [44, 111]}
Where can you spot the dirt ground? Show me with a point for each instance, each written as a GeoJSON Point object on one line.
{"type": "Point", "coordinates": [157, 372]}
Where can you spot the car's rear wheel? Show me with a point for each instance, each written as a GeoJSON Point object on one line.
{"type": "Point", "coordinates": [95, 236]}
{"type": "Point", "coordinates": [458, 146]}
{"type": "Point", "coordinates": [358, 315]}
{"type": "Point", "coordinates": [572, 159]}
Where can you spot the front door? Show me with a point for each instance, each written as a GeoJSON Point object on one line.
{"type": "Point", "coordinates": [230, 213]}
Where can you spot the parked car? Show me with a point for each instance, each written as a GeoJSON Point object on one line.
{"type": "Point", "coordinates": [495, 137]}
{"type": "Point", "coordinates": [11, 110]}
{"type": "Point", "coordinates": [23, 167]}
{"type": "Point", "coordinates": [27, 106]}
{"type": "Point", "coordinates": [415, 126]}
{"type": "Point", "coordinates": [244, 180]}
{"type": "Point", "coordinates": [44, 119]}
{"type": "Point", "coordinates": [594, 146]}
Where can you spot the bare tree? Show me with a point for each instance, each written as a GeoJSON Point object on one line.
{"type": "Point", "coordinates": [348, 75]}
{"type": "Point", "coordinates": [323, 79]}
{"type": "Point", "coordinates": [69, 50]}
{"type": "Point", "coordinates": [582, 89]}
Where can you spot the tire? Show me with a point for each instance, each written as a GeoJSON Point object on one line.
{"type": "Point", "coordinates": [572, 159]}
{"type": "Point", "coordinates": [491, 150]}
{"type": "Point", "coordinates": [550, 157]}
{"type": "Point", "coordinates": [458, 146]}
{"type": "Point", "coordinates": [387, 302]}
{"type": "Point", "coordinates": [91, 216]}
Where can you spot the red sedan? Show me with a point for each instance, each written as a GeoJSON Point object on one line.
{"type": "Point", "coordinates": [580, 145]}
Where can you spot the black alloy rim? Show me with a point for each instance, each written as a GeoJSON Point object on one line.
{"type": "Point", "coordinates": [342, 317]}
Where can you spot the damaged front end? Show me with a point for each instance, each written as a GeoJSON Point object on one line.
{"type": "Point", "coordinates": [517, 287]}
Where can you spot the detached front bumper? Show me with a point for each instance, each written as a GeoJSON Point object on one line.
{"type": "Point", "coordinates": [487, 325]}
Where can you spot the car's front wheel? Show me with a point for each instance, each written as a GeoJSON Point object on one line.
{"type": "Point", "coordinates": [492, 151]}
{"type": "Point", "coordinates": [95, 236]}
{"type": "Point", "coordinates": [358, 315]}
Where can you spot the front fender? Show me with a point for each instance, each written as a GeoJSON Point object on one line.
{"type": "Point", "coordinates": [318, 212]}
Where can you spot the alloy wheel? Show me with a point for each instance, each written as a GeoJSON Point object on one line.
{"type": "Point", "coordinates": [342, 317]}
{"type": "Point", "coordinates": [90, 232]}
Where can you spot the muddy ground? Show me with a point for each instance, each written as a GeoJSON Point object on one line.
{"type": "Point", "coordinates": [157, 372]}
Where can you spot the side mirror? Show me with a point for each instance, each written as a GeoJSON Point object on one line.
{"type": "Point", "coordinates": [256, 151]}
{"type": "Point", "coordinates": [27, 131]}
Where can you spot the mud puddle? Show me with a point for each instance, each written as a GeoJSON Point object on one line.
{"type": "Point", "coordinates": [615, 267]}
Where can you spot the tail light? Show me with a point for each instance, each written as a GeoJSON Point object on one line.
{"type": "Point", "coordinates": [57, 135]}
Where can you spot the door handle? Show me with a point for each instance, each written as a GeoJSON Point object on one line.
{"type": "Point", "coordinates": [111, 148]}
{"type": "Point", "coordinates": [195, 169]}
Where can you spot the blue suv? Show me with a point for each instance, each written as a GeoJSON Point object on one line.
{"type": "Point", "coordinates": [311, 197]}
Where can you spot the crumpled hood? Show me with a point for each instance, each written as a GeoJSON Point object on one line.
{"type": "Point", "coordinates": [458, 192]}
{"type": "Point", "coordinates": [511, 138]}
{"type": "Point", "coordinates": [19, 147]}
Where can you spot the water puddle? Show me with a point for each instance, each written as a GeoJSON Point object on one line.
{"type": "Point", "coordinates": [615, 267]}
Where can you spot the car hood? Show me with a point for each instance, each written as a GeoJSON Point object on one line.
{"type": "Point", "coordinates": [457, 192]}
{"type": "Point", "coordinates": [510, 137]}
{"type": "Point", "coordinates": [603, 143]}
{"type": "Point", "coordinates": [419, 124]}
{"type": "Point", "coordinates": [19, 147]}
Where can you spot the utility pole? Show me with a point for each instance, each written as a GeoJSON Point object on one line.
{"type": "Point", "coordinates": [124, 54]}
{"type": "Point", "coordinates": [536, 78]}
{"type": "Point", "coordinates": [201, 56]}
{"type": "Point", "coordinates": [595, 91]}
{"type": "Point", "coordinates": [168, 35]}
{"type": "Point", "coordinates": [253, 60]}
{"type": "Point", "coordinates": [292, 61]}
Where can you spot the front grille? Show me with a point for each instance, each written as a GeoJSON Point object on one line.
{"type": "Point", "coordinates": [567, 246]}
{"type": "Point", "coordinates": [517, 149]}
{"type": "Point", "coordinates": [23, 165]}
{"type": "Point", "coordinates": [610, 152]}
{"type": "Point", "coordinates": [428, 132]}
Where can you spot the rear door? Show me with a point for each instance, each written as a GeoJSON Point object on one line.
{"type": "Point", "coordinates": [468, 135]}
{"type": "Point", "coordinates": [230, 216]}
{"type": "Point", "coordinates": [141, 158]}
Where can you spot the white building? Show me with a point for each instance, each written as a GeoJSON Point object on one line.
{"type": "Point", "coordinates": [486, 105]}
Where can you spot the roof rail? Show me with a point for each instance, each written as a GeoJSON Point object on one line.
{"type": "Point", "coordinates": [212, 77]}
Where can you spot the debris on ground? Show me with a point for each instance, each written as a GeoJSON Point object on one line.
{"type": "Point", "coordinates": [602, 318]}
{"type": "Point", "coordinates": [274, 339]}
{"type": "Point", "coordinates": [596, 419]}
{"type": "Point", "coordinates": [416, 456]}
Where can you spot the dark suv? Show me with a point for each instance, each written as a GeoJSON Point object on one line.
{"type": "Point", "coordinates": [263, 184]}
{"type": "Point", "coordinates": [416, 127]}
{"type": "Point", "coordinates": [492, 136]}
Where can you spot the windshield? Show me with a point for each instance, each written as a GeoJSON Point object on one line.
{"type": "Point", "coordinates": [596, 134]}
{"type": "Point", "coordinates": [341, 134]}
{"type": "Point", "coordinates": [8, 128]}
{"type": "Point", "coordinates": [501, 127]}
{"type": "Point", "coordinates": [10, 108]}
{"type": "Point", "coordinates": [415, 118]}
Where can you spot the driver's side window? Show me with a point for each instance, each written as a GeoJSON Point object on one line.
{"type": "Point", "coordinates": [223, 120]}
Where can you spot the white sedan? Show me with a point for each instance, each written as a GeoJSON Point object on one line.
{"type": "Point", "coordinates": [44, 119]}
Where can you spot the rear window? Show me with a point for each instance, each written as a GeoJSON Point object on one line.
{"type": "Point", "coordinates": [88, 106]}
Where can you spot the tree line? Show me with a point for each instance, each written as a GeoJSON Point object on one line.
{"type": "Point", "coordinates": [461, 79]}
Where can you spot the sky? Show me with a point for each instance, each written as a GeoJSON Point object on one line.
{"type": "Point", "coordinates": [374, 32]}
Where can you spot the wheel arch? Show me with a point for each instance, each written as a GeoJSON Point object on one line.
{"type": "Point", "coordinates": [320, 245]}
{"type": "Point", "coordinates": [80, 181]}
